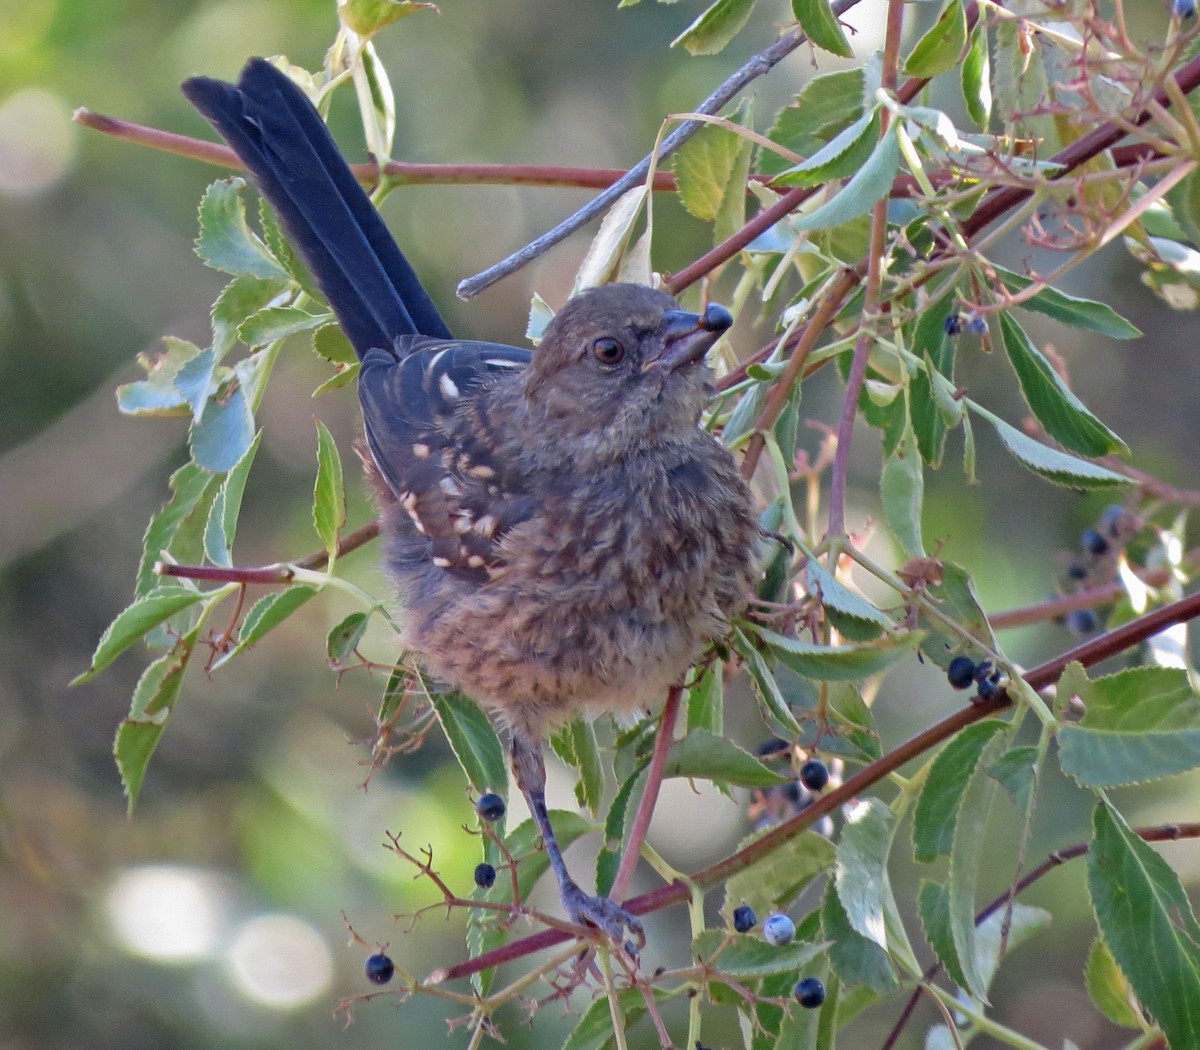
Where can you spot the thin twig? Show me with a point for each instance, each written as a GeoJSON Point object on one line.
{"type": "Point", "coordinates": [761, 63]}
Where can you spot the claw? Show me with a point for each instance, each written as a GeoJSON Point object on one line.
{"type": "Point", "coordinates": [605, 915]}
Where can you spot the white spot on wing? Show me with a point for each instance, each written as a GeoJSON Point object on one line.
{"type": "Point", "coordinates": [447, 387]}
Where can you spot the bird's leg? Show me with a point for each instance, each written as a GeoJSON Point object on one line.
{"type": "Point", "coordinates": [601, 912]}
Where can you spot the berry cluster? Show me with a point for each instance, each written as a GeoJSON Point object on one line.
{"type": "Point", "coordinates": [779, 930]}
{"type": "Point", "coordinates": [971, 321]}
{"type": "Point", "coordinates": [770, 806]}
{"type": "Point", "coordinates": [1096, 562]}
{"type": "Point", "coordinates": [963, 672]}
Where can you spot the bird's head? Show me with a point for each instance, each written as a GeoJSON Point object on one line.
{"type": "Point", "coordinates": [623, 364]}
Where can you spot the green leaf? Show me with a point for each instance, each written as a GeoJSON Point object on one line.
{"type": "Point", "coordinates": [704, 168]}
{"type": "Point", "coordinates": [265, 615]}
{"type": "Point", "coordinates": [344, 637]}
{"type": "Point", "coordinates": [393, 694]}
{"type": "Point", "coordinates": [775, 879]}
{"type": "Point", "coordinates": [473, 741]}
{"type": "Point", "coordinates": [968, 845]}
{"type": "Point", "coordinates": [940, 48]}
{"type": "Point", "coordinates": [702, 754]}
{"type": "Point", "coordinates": [862, 880]}
{"type": "Point", "coordinates": [1141, 724]}
{"type": "Point", "coordinates": [933, 906]}
{"type": "Point", "coordinates": [1085, 314]}
{"type": "Point", "coordinates": [745, 958]}
{"type": "Point", "coordinates": [902, 488]}
{"type": "Point", "coordinates": [133, 622]}
{"type": "Point", "coordinates": [224, 432]}
{"type": "Point", "coordinates": [955, 598]}
{"type": "Point", "coordinates": [278, 322]}
{"type": "Point", "coordinates": [766, 688]}
{"type": "Point", "coordinates": [595, 1028]}
{"type": "Point", "coordinates": [842, 156]}
{"type": "Point", "coordinates": [821, 26]}
{"type": "Point", "coordinates": [841, 663]}
{"type": "Point", "coordinates": [932, 408]}
{"type": "Point", "coordinates": [1108, 988]}
{"type": "Point", "coordinates": [133, 748]}
{"type": "Point", "coordinates": [157, 394]}
{"type": "Point", "coordinates": [1056, 466]}
{"type": "Point", "coordinates": [942, 794]}
{"type": "Point", "coordinates": [976, 79]}
{"type": "Point", "coordinates": [241, 297]}
{"type": "Point", "coordinates": [1016, 772]}
{"type": "Point", "coordinates": [1052, 402]}
{"type": "Point", "coordinates": [855, 959]}
{"type": "Point", "coordinates": [331, 343]}
{"type": "Point", "coordinates": [603, 259]}
{"type": "Point", "coordinates": [189, 487]}
{"type": "Point", "coordinates": [821, 110]}
{"type": "Point", "coordinates": [842, 603]}
{"type": "Point", "coordinates": [715, 27]}
{"type": "Point", "coordinates": [1148, 924]}
{"type": "Point", "coordinates": [226, 241]}
{"type": "Point", "coordinates": [871, 183]}
{"type": "Point", "coordinates": [343, 377]}
{"type": "Point", "coordinates": [575, 743]}
{"type": "Point", "coordinates": [617, 826]}
{"type": "Point", "coordinates": [194, 381]}
{"type": "Point", "coordinates": [368, 17]}
{"type": "Point", "coordinates": [223, 516]}
{"type": "Point", "coordinates": [329, 492]}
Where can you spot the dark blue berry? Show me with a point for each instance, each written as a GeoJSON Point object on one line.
{"type": "Point", "coordinates": [987, 689]}
{"type": "Point", "coordinates": [1077, 571]}
{"type": "Point", "coordinates": [1093, 542]}
{"type": "Point", "coordinates": [976, 325]}
{"type": "Point", "coordinates": [485, 876]}
{"type": "Point", "coordinates": [1112, 519]}
{"type": "Point", "coordinates": [772, 748]}
{"type": "Point", "coordinates": [380, 969]}
{"type": "Point", "coordinates": [490, 807]}
{"type": "Point", "coordinates": [961, 672]}
{"type": "Point", "coordinates": [809, 993]}
{"type": "Point", "coordinates": [1183, 8]}
{"type": "Point", "coordinates": [1081, 621]}
{"type": "Point", "coordinates": [814, 774]}
{"type": "Point", "coordinates": [953, 324]}
{"type": "Point", "coordinates": [779, 930]}
{"type": "Point", "coordinates": [795, 794]}
{"type": "Point", "coordinates": [744, 919]}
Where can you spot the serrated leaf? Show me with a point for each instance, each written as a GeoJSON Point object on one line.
{"type": "Point", "coordinates": [976, 79]}
{"type": "Point", "coordinates": [194, 381]}
{"type": "Point", "coordinates": [329, 491]}
{"type": "Point", "coordinates": [931, 408]}
{"type": "Point", "coordinates": [1055, 466]}
{"type": "Point", "coordinates": [838, 598]}
{"type": "Point", "coordinates": [368, 17]}
{"type": "Point", "coordinates": [265, 615]}
{"type": "Point", "coordinates": [1016, 772]}
{"type": "Point", "coordinates": [841, 663]}
{"type": "Point", "coordinates": [821, 26]}
{"type": "Point", "coordinates": [134, 621]}
{"type": "Point", "coordinates": [224, 432]}
{"type": "Point", "coordinates": [842, 156]}
{"type": "Point", "coordinates": [861, 876]}
{"type": "Point", "coordinates": [132, 749]}
{"type": "Point", "coordinates": [740, 424]}
{"type": "Point", "coordinates": [1107, 987]}
{"type": "Point", "coordinates": [241, 297]}
{"type": "Point", "coordinates": [773, 702]}
{"type": "Point", "coordinates": [278, 322]}
{"type": "Point", "coordinates": [942, 794]}
{"type": "Point", "coordinates": [856, 959]}
{"type": "Point", "coordinates": [1085, 314]}
{"type": "Point", "coordinates": [704, 166]}
{"type": "Point", "coordinates": [706, 702]}
{"type": "Point", "coordinates": [820, 111]}
{"type": "Point", "coordinates": [902, 490]}
{"type": "Point", "coordinates": [775, 879]}
{"type": "Point", "coordinates": [870, 184]}
{"type": "Point", "coordinates": [226, 241]}
{"type": "Point", "coordinates": [967, 846]}
{"type": "Point", "coordinates": [1140, 724]}
{"type": "Point", "coordinates": [715, 27]}
{"type": "Point", "coordinates": [473, 741]}
{"type": "Point", "coordinates": [221, 527]}
{"type": "Point", "coordinates": [603, 258]}
{"type": "Point", "coordinates": [157, 395]}
{"type": "Point", "coordinates": [955, 598]}
{"type": "Point", "coordinates": [331, 343]}
{"type": "Point", "coordinates": [617, 825]}
{"type": "Point", "coordinates": [710, 757]}
{"type": "Point", "coordinates": [941, 46]}
{"type": "Point", "coordinates": [393, 694]}
{"type": "Point", "coordinates": [933, 906]}
{"type": "Point", "coordinates": [343, 377]}
{"type": "Point", "coordinates": [343, 638]}
{"type": "Point", "coordinates": [1052, 402]}
{"type": "Point", "coordinates": [745, 957]}
{"type": "Point", "coordinates": [1148, 924]}
{"type": "Point", "coordinates": [575, 743]}
{"type": "Point", "coordinates": [189, 486]}
{"type": "Point", "coordinates": [595, 1028]}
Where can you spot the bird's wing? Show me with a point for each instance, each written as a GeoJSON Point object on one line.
{"type": "Point", "coordinates": [430, 433]}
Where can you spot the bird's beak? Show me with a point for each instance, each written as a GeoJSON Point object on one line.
{"type": "Point", "coordinates": [688, 337]}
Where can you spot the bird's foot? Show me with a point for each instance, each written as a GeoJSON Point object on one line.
{"type": "Point", "coordinates": [621, 927]}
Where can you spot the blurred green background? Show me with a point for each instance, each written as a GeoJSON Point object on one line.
{"type": "Point", "coordinates": [214, 916]}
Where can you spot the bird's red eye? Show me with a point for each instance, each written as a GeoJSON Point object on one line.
{"type": "Point", "coordinates": [608, 351]}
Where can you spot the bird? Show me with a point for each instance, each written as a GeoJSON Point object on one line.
{"type": "Point", "coordinates": [562, 534]}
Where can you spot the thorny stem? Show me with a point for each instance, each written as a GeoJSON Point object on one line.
{"type": "Point", "coordinates": [1088, 653]}
{"type": "Point", "coordinates": [645, 810]}
{"type": "Point", "coordinates": [1158, 833]}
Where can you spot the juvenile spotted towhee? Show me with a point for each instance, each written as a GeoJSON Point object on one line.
{"type": "Point", "coordinates": [562, 534]}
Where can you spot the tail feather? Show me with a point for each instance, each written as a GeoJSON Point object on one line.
{"type": "Point", "coordinates": [286, 147]}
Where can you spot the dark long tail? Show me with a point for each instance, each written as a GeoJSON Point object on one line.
{"type": "Point", "coordinates": [286, 147]}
